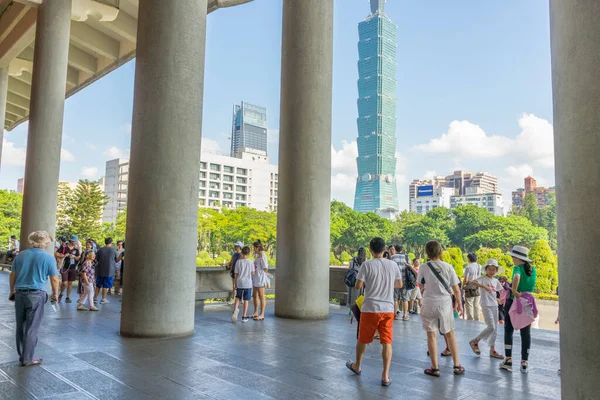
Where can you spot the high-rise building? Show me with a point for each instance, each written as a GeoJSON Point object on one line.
{"type": "Point", "coordinates": [249, 130]}
{"type": "Point", "coordinates": [435, 182]}
{"type": "Point", "coordinates": [461, 180]}
{"type": "Point", "coordinates": [541, 193]}
{"type": "Point", "coordinates": [20, 185]}
{"type": "Point", "coordinates": [225, 182]}
{"type": "Point", "coordinates": [376, 182]}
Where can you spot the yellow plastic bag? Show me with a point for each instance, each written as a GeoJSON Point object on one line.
{"type": "Point", "coordinates": [359, 301]}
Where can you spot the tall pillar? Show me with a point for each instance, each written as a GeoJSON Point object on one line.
{"type": "Point", "coordinates": [46, 118]}
{"type": "Point", "coordinates": [3, 94]}
{"type": "Point", "coordinates": [302, 289]}
{"type": "Point", "coordinates": [575, 37]}
{"type": "Point", "coordinates": [162, 212]}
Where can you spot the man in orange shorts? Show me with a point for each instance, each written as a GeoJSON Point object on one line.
{"type": "Point", "coordinates": [379, 276]}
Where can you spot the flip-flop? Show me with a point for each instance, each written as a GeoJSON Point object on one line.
{"type": "Point", "coordinates": [405, 318]}
{"type": "Point", "coordinates": [388, 383]}
{"type": "Point", "coordinates": [258, 319]}
{"type": "Point", "coordinates": [34, 362]}
{"type": "Point", "coordinates": [351, 368]}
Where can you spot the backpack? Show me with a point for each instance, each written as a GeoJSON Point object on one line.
{"type": "Point", "coordinates": [350, 278]}
{"type": "Point", "coordinates": [409, 279]}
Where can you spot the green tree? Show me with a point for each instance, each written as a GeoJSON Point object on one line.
{"type": "Point", "coordinates": [417, 235]}
{"type": "Point", "coordinates": [65, 201]}
{"type": "Point", "coordinates": [469, 220]}
{"type": "Point", "coordinates": [404, 219]}
{"type": "Point", "coordinates": [505, 232]}
{"type": "Point", "coordinates": [546, 264]}
{"type": "Point", "coordinates": [530, 208]}
{"type": "Point", "coordinates": [85, 211]}
{"type": "Point", "coordinates": [10, 215]}
{"type": "Point", "coordinates": [345, 257]}
{"type": "Point", "coordinates": [454, 257]}
{"type": "Point", "coordinates": [334, 261]}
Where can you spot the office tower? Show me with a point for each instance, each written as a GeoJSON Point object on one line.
{"type": "Point", "coordinates": [249, 130]}
{"type": "Point", "coordinates": [376, 182]}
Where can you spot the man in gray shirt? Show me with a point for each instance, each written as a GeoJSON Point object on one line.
{"type": "Point", "coordinates": [106, 258]}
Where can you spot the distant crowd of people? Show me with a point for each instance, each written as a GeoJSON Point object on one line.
{"type": "Point", "coordinates": [389, 287]}
{"type": "Point", "coordinates": [94, 267]}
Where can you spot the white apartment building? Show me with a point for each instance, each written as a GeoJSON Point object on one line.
{"type": "Point", "coordinates": [440, 197]}
{"type": "Point", "coordinates": [493, 202]}
{"type": "Point", "coordinates": [230, 182]}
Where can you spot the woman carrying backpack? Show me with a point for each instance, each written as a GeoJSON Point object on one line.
{"type": "Point", "coordinates": [355, 264]}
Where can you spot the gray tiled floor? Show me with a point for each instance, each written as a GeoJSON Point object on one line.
{"type": "Point", "coordinates": [85, 358]}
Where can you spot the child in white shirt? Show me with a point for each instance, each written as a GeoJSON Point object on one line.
{"type": "Point", "coordinates": [489, 308]}
{"type": "Point", "coordinates": [243, 269]}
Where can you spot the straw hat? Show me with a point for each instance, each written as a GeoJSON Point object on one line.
{"type": "Point", "coordinates": [39, 239]}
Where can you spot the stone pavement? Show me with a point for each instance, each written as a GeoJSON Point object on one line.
{"type": "Point", "coordinates": [85, 358]}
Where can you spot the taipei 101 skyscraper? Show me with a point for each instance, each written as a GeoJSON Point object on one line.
{"type": "Point", "coordinates": [376, 181]}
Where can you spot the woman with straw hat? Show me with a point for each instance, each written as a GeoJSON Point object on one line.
{"type": "Point", "coordinates": [523, 283]}
{"type": "Point", "coordinates": [489, 307]}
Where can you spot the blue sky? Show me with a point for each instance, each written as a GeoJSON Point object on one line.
{"type": "Point", "coordinates": [474, 92]}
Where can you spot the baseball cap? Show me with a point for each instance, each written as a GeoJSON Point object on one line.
{"type": "Point", "coordinates": [74, 238]}
{"type": "Point", "coordinates": [239, 244]}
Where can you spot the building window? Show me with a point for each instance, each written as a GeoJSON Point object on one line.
{"type": "Point", "coordinates": [242, 171]}
{"type": "Point", "coordinates": [227, 204]}
{"type": "Point", "coordinates": [240, 204]}
{"type": "Point", "coordinates": [202, 183]}
{"type": "Point", "coordinates": [227, 195]}
{"type": "Point", "coordinates": [202, 174]}
{"type": "Point", "coordinates": [215, 167]}
{"type": "Point", "coordinates": [240, 180]}
{"type": "Point", "coordinates": [227, 168]}
{"type": "Point", "coordinates": [228, 178]}
{"type": "Point", "coordinates": [215, 177]}
{"type": "Point", "coordinates": [227, 186]}
{"type": "Point", "coordinates": [202, 192]}
{"type": "Point", "coordinates": [213, 194]}
{"type": "Point", "coordinates": [215, 185]}
{"type": "Point", "coordinates": [240, 197]}
{"type": "Point", "coordinates": [202, 202]}
{"type": "Point", "coordinates": [202, 165]}
{"type": "Point", "coordinates": [239, 188]}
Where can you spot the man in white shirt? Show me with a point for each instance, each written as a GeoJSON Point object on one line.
{"type": "Point", "coordinates": [472, 303]}
{"type": "Point", "coordinates": [379, 277]}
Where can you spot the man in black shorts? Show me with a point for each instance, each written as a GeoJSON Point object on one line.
{"type": "Point", "coordinates": [69, 254]}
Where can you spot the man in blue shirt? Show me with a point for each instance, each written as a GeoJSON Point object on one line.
{"type": "Point", "coordinates": [28, 277]}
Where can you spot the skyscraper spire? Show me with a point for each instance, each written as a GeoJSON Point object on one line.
{"type": "Point", "coordinates": [377, 5]}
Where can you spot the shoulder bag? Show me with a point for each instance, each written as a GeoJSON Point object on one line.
{"type": "Point", "coordinates": [439, 277]}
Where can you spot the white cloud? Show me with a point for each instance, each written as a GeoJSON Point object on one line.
{"type": "Point", "coordinates": [519, 171]}
{"type": "Point", "coordinates": [344, 160]}
{"type": "Point", "coordinates": [429, 174]}
{"type": "Point", "coordinates": [115, 152]}
{"type": "Point", "coordinates": [401, 169]}
{"type": "Point", "coordinates": [90, 173]}
{"type": "Point", "coordinates": [536, 141]}
{"type": "Point", "coordinates": [12, 155]}
{"type": "Point", "coordinates": [210, 145]}
{"type": "Point", "coordinates": [534, 145]}
{"type": "Point", "coordinates": [465, 139]}
{"type": "Point", "coordinates": [343, 187]}
{"type": "Point", "coordinates": [66, 155]}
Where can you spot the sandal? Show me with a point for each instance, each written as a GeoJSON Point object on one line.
{"type": "Point", "coordinates": [432, 372]}
{"type": "Point", "coordinates": [405, 318]}
{"type": "Point", "coordinates": [458, 370]}
{"type": "Point", "coordinates": [258, 318]}
{"type": "Point", "coordinates": [253, 316]}
{"type": "Point", "coordinates": [446, 353]}
{"type": "Point", "coordinates": [475, 346]}
{"type": "Point", "coordinates": [34, 362]}
{"type": "Point", "coordinates": [497, 355]}
{"type": "Point", "coordinates": [396, 318]}
{"type": "Point", "coordinates": [349, 365]}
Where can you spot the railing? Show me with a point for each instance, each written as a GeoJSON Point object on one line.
{"type": "Point", "coordinates": [215, 283]}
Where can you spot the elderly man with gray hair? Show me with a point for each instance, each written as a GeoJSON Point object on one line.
{"type": "Point", "coordinates": [28, 277]}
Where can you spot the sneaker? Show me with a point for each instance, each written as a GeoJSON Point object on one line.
{"type": "Point", "coordinates": [60, 296]}
{"type": "Point", "coordinates": [495, 354]}
{"type": "Point", "coordinates": [475, 346]}
{"type": "Point", "coordinates": [92, 308]}
{"type": "Point", "coordinates": [81, 307]}
{"type": "Point", "coordinates": [104, 301]}
{"type": "Point", "coordinates": [524, 368]}
{"type": "Point", "coordinates": [235, 314]}
{"type": "Point", "coordinates": [68, 300]}
{"type": "Point", "coordinates": [245, 319]}
{"type": "Point", "coordinates": [506, 364]}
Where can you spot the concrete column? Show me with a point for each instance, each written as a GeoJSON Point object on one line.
{"type": "Point", "coordinates": [302, 289]}
{"type": "Point", "coordinates": [162, 212]}
{"type": "Point", "coordinates": [3, 94]}
{"type": "Point", "coordinates": [46, 118]}
{"type": "Point", "coordinates": [575, 37]}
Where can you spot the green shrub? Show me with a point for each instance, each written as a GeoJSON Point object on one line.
{"type": "Point", "coordinates": [454, 257]}
{"type": "Point", "coordinates": [504, 260]}
{"type": "Point", "coordinates": [334, 261]}
{"type": "Point", "coordinates": [345, 257]}
{"type": "Point", "coordinates": [545, 296]}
